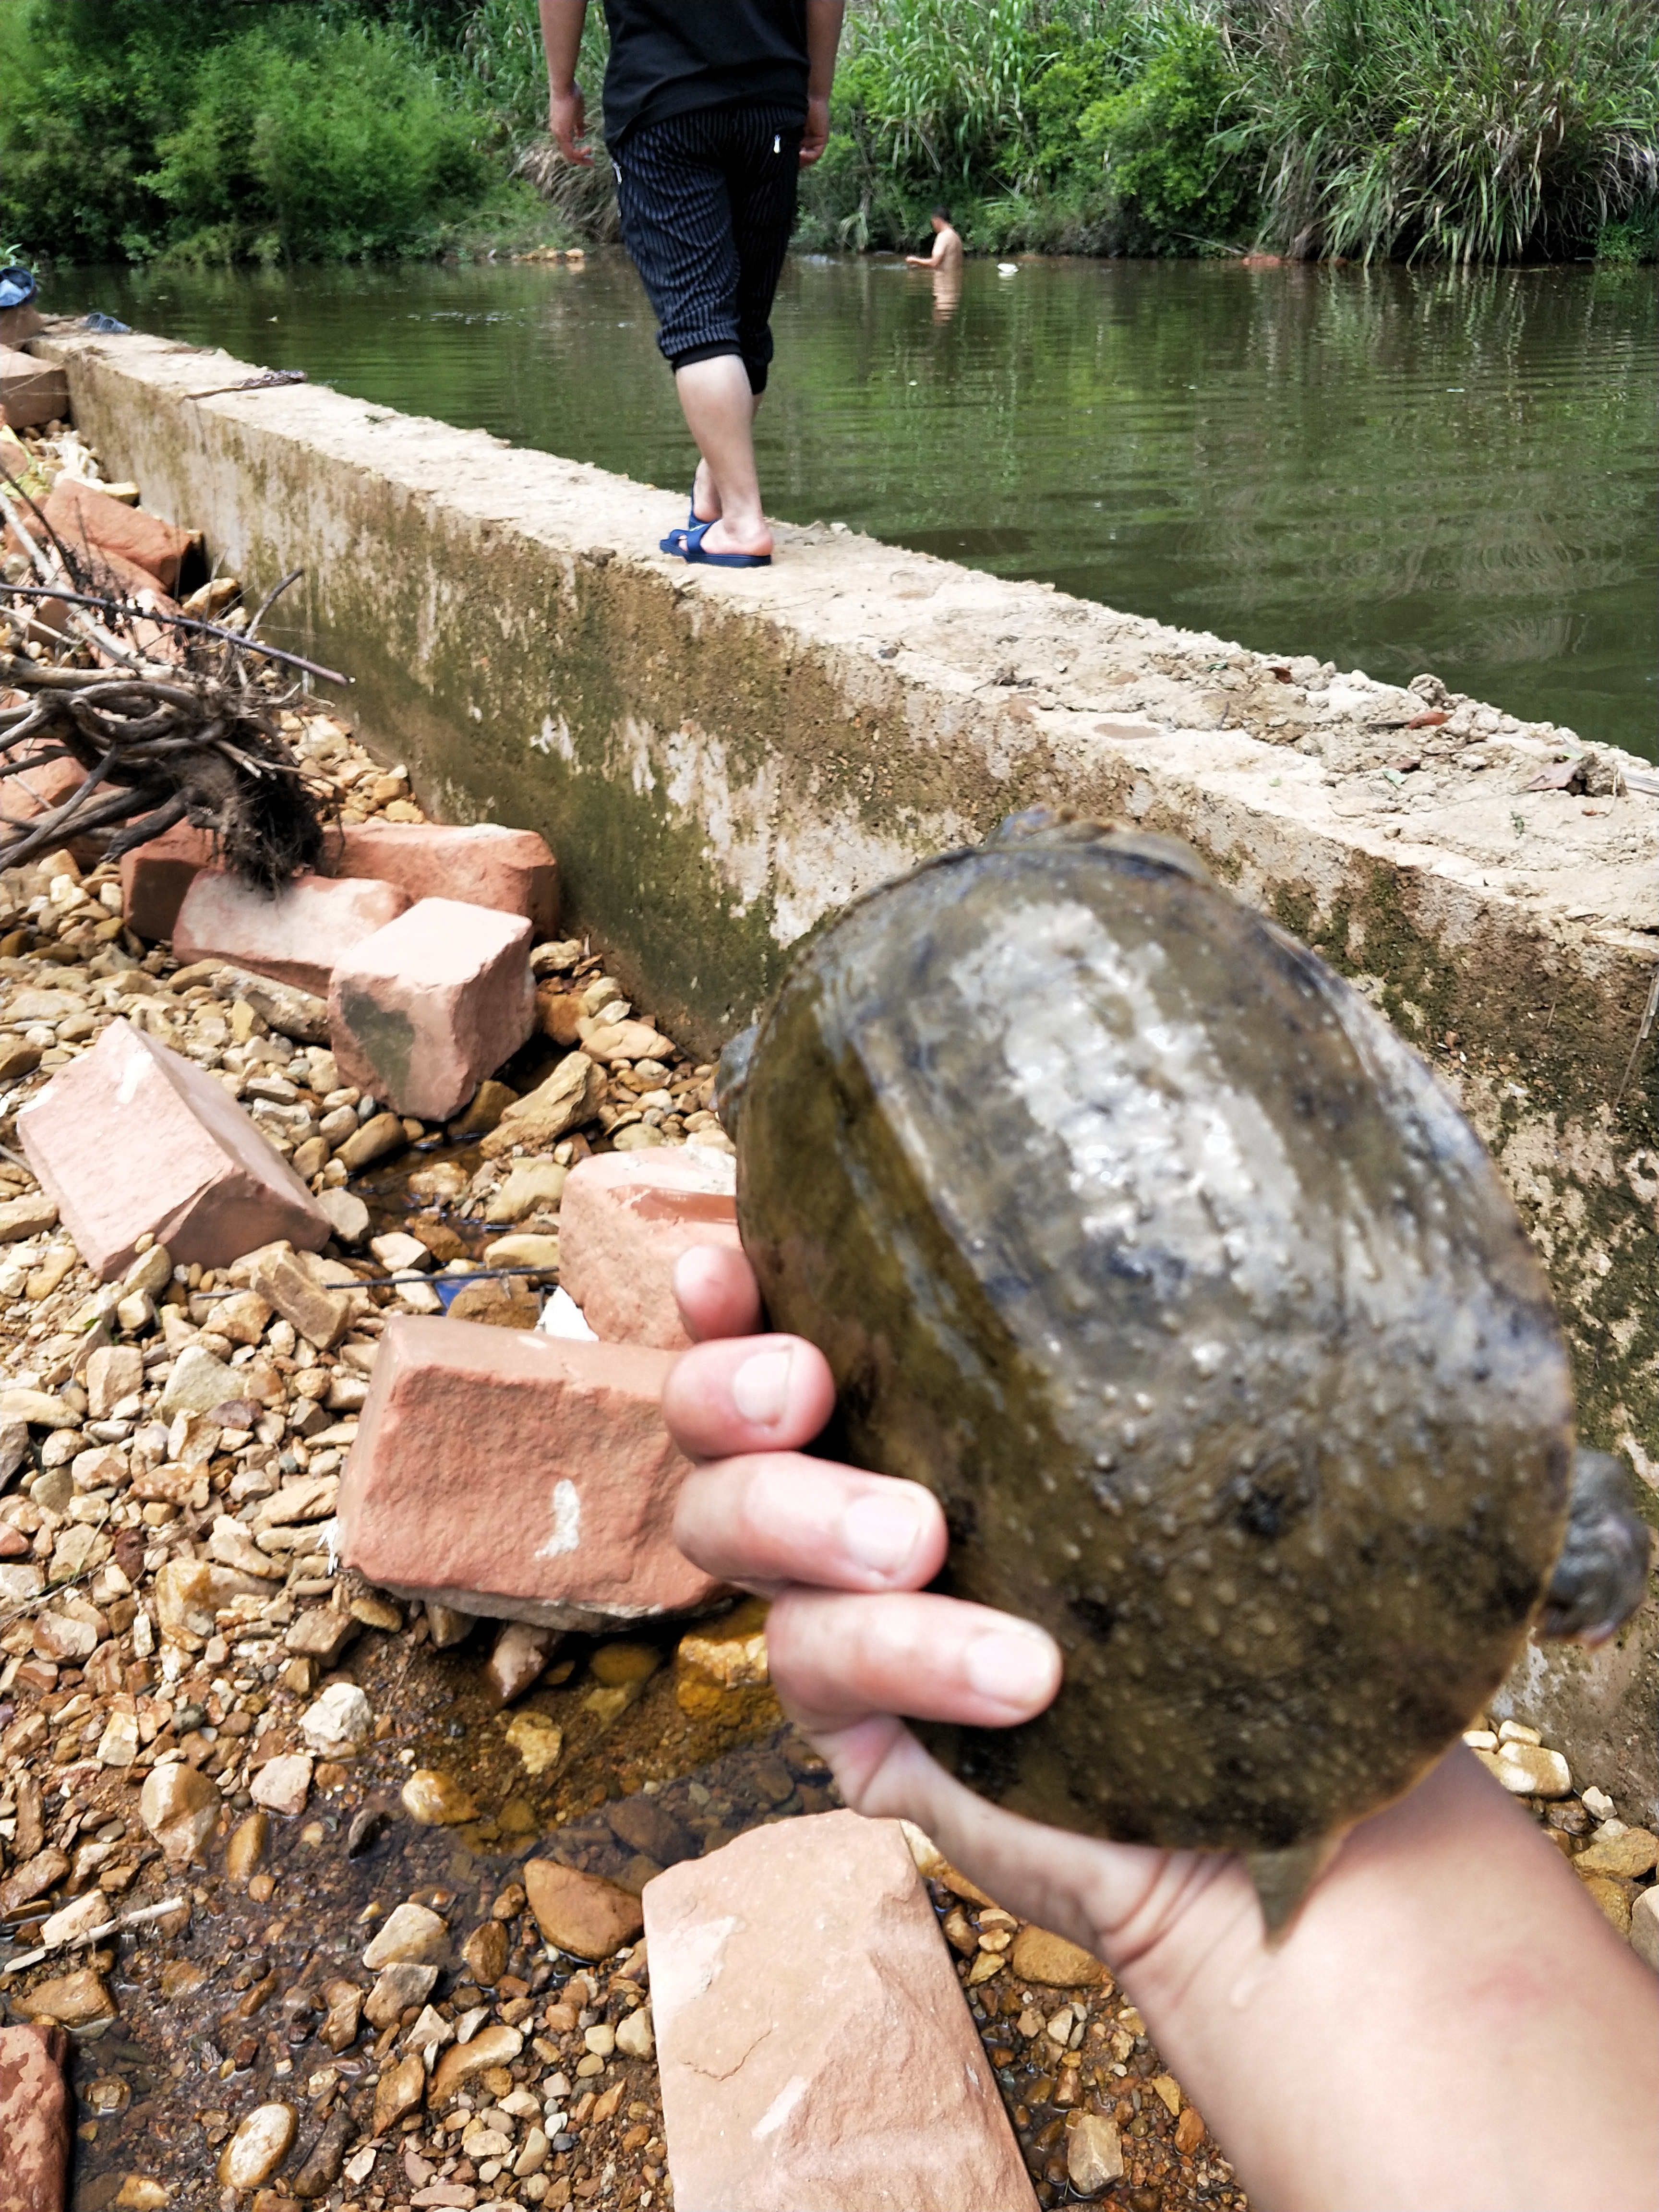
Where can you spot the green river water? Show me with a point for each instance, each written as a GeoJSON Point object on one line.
{"type": "Point", "coordinates": [1394, 470]}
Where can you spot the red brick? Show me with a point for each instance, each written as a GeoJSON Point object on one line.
{"type": "Point", "coordinates": [482, 863]}
{"type": "Point", "coordinates": [155, 877]}
{"type": "Point", "coordinates": [421, 1012]}
{"type": "Point", "coordinates": [133, 1136]}
{"type": "Point", "coordinates": [624, 1220]}
{"type": "Point", "coordinates": [500, 1471]}
{"type": "Point", "coordinates": [28, 792]}
{"type": "Point", "coordinates": [30, 391]}
{"type": "Point", "coordinates": [86, 517]}
{"type": "Point", "coordinates": [296, 936]}
{"type": "Point", "coordinates": [814, 2046]}
{"type": "Point", "coordinates": [35, 2119]}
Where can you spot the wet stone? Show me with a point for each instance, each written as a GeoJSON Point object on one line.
{"type": "Point", "coordinates": [399, 1986]}
{"type": "Point", "coordinates": [437, 1800]}
{"type": "Point", "coordinates": [412, 1935]}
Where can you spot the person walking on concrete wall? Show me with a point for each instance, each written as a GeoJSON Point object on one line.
{"type": "Point", "coordinates": [712, 109]}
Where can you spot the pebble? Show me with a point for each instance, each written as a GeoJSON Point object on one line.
{"type": "Point", "coordinates": [340, 1723]}
{"type": "Point", "coordinates": [496, 2045]}
{"type": "Point", "coordinates": [1038, 1956]}
{"type": "Point", "coordinates": [258, 2148]}
{"type": "Point", "coordinates": [283, 1783]}
{"type": "Point", "coordinates": [1528, 1769]}
{"type": "Point", "coordinates": [1613, 1898]}
{"type": "Point", "coordinates": [399, 2091]}
{"type": "Point", "coordinates": [579, 1912]}
{"type": "Point", "coordinates": [484, 1953]}
{"type": "Point", "coordinates": [437, 1800]}
{"type": "Point", "coordinates": [180, 1808]}
{"type": "Point", "coordinates": [1631, 1853]}
{"type": "Point", "coordinates": [521, 1653]}
{"type": "Point", "coordinates": [1094, 2155]}
{"type": "Point", "coordinates": [537, 1741]}
{"type": "Point", "coordinates": [412, 1935]}
{"type": "Point", "coordinates": [77, 2000]}
{"type": "Point", "coordinates": [1644, 1928]}
{"type": "Point", "coordinates": [399, 1986]}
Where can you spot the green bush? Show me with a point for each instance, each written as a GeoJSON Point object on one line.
{"type": "Point", "coordinates": [132, 127]}
{"type": "Point", "coordinates": [1174, 182]}
{"type": "Point", "coordinates": [302, 143]}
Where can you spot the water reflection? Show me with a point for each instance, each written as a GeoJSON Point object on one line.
{"type": "Point", "coordinates": [1394, 470]}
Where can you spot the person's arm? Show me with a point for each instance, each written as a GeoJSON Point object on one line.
{"type": "Point", "coordinates": [824, 21]}
{"type": "Point", "coordinates": [567, 111]}
{"type": "Point", "coordinates": [1450, 2026]}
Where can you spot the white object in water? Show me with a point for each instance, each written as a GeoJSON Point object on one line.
{"type": "Point", "coordinates": [563, 1317]}
{"type": "Point", "coordinates": [1007, 269]}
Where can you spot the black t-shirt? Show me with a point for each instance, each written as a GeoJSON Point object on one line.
{"type": "Point", "coordinates": [668, 57]}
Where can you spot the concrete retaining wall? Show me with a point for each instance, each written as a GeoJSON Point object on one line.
{"type": "Point", "coordinates": [719, 759]}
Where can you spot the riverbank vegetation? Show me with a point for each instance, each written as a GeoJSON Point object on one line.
{"type": "Point", "coordinates": [1451, 130]}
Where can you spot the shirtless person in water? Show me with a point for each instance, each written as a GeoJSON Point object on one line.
{"type": "Point", "coordinates": [945, 259]}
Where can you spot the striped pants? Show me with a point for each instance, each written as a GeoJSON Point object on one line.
{"type": "Point", "coordinates": [708, 204]}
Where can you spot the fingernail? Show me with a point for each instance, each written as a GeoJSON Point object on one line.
{"type": "Point", "coordinates": [881, 1531]}
{"type": "Point", "coordinates": [760, 1389]}
{"type": "Point", "coordinates": [1014, 1666]}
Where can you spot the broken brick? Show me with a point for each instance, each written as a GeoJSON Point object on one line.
{"type": "Point", "coordinates": [87, 519]}
{"type": "Point", "coordinates": [775, 2049]}
{"type": "Point", "coordinates": [624, 1220]}
{"type": "Point", "coordinates": [30, 391]}
{"type": "Point", "coordinates": [422, 1011]}
{"type": "Point", "coordinates": [482, 863]}
{"type": "Point", "coordinates": [35, 2118]}
{"type": "Point", "coordinates": [296, 935]}
{"type": "Point", "coordinates": [132, 1136]}
{"type": "Point", "coordinates": [528, 1477]}
{"type": "Point", "coordinates": [155, 877]}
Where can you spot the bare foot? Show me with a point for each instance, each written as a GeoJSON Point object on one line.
{"type": "Point", "coordinates": [705, 499]}
{"type": "Point", "coordinates": [728, 538]}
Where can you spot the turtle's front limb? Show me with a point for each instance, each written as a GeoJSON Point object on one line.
{"type": "Point", "coordinates": [1602, 1575]}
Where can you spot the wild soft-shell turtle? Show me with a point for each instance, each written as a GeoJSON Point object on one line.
{"type": "Point", "coordinates": [1136, 1235]}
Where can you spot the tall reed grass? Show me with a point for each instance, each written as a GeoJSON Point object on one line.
{"type": "Point", "coordinates": [1460, 130]}
{"type": "Point", "coordinates": [1451, 130]}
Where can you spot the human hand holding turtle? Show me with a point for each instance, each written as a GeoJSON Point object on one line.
{"type": "Point", "coordinates": [1449, 2021]}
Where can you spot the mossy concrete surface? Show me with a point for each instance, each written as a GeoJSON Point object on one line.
{"type": "Point", "coordinates": [720, 759]}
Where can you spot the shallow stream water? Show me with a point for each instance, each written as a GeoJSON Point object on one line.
{"type": "Point", "coordinates": [1394, 470]}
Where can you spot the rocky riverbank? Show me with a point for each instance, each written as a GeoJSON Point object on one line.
{"type": "Point", "coordinates": [336, 1894]}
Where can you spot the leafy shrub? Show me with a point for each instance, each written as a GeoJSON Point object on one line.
{"type": "Point", "coordinates": [1174, 181]}
{"type": "Point", "coordinates": [304, 144]}
{"type": "Point", "coordinates": [129, 127]}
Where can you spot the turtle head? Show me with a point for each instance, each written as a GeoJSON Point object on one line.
{"type": "Point", "coordinates": [1602, 1575]}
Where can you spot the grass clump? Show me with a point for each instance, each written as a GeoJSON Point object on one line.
{"type": "Point", "coordinates": [1458, 130]}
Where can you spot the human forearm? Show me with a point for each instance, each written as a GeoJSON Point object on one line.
{"type": "Point", "coordinates": [562, 39]}
{"type": "Point", "coordinates": [1448, 1972]}
{"type": "Point", "coordinates": [824, 23]}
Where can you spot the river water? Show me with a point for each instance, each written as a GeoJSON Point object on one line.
{"type": "Point", "coordinates": [1394, 470]}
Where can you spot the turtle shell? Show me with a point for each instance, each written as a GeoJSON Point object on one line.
{"type": "Point", "coordinates": [1139, 1237]}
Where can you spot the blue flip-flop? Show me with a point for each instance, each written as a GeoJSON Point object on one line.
{"type": "Point", "coordinates": [687, 544]}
